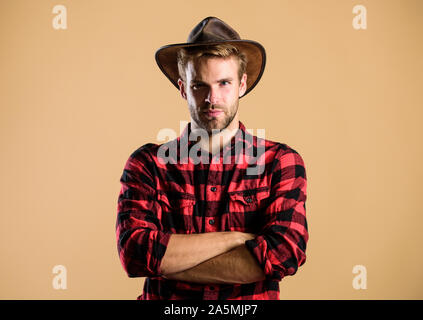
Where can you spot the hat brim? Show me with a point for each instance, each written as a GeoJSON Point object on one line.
{"type": "Point", "coordinates": [254, 51]}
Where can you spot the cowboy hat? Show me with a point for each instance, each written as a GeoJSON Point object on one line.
{"type": "Point", "coordinates": [210, 31]}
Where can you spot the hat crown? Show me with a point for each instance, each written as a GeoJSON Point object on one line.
{"type": "Point", "coordinates": [212, 29]}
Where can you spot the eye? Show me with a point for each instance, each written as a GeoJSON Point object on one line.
{"type": "Point", "coordinates": [224, 83]}
{"type": "Point", "coordinates": [196, 86]}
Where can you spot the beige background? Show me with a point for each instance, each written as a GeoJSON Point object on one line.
{"type": "Point", "coordinates": [75, 103]}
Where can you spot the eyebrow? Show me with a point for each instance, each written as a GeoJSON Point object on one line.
{"type": "Point", "coordinates": [220, 80]}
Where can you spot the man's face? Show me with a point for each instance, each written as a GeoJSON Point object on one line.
{"type": "Point", "coordinates": [212, 90]}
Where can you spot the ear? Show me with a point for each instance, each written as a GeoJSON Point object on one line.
{"type": "Point", "coordinates": [181, 85]}
{"type": "Point", "coordinates": [243, 85]}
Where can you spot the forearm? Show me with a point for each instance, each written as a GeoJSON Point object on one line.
{"type": "Point", "coordinates": [185, 251]}
{"type": "Point", "coordinates": [236, 266]}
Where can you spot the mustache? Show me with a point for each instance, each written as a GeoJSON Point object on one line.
{"type": "Point", "coordinates": [211, 107]}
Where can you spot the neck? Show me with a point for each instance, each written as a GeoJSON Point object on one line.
{"type": "Point", "coordinates": [219, 139]}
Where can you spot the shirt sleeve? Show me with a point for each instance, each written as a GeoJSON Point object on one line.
{"type": "Point", "coordinates": [280, 246]}
{"type": "Point", "coordinates": [141, 241]}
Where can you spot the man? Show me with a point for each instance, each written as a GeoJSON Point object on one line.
{"type": "Point", "coordinates": [214, 228]}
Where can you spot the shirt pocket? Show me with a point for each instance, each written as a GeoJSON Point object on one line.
{"type": "Point", "coordinates": [177, 212]}
{"type": "Point", "coordinates": [246, 209]}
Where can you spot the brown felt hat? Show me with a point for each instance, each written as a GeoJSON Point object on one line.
{"type": "Point", "coordinates": [209, 31]}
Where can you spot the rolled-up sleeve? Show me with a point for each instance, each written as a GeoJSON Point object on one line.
{"type": "Point", "coordinates": [141, 241]}
{"type": "Point", "coordinates": [280, 246]}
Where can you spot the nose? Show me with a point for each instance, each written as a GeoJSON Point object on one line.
{"type": "Point", "coordinates": [212, 96]}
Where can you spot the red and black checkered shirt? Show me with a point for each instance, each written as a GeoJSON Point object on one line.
{"type": "Point", "coordinates": [159, 198]}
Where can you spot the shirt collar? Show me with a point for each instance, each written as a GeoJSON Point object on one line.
{"type": "Point", "coordinates": [239, 137]}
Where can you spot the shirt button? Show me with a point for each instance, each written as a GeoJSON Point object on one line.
{"type": "Point", "coordinates": [213, 189]}
{"type": "Point", "coordinates": [211, 221]}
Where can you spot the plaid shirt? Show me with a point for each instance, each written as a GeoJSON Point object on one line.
{"type": "Point", "coordinates": [158, 199]}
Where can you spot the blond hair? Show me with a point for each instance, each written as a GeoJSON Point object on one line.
{"type": "Point", "coordinates": [209, 51]}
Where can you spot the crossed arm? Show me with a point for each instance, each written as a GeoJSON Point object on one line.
{"type": "Point", "coordinates": [215, 257]}
{"type": "Point", "coordinates": [219, 257]}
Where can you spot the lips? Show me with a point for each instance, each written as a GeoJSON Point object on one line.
{"type": "Point", "coordinates": [213, 113]}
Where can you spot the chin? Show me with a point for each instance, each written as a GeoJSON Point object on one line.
{"type": "Point", "coordinates": [215, 125]}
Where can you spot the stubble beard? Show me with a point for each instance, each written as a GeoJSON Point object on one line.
{"type": "Point", "coordinates": [211, 126]}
